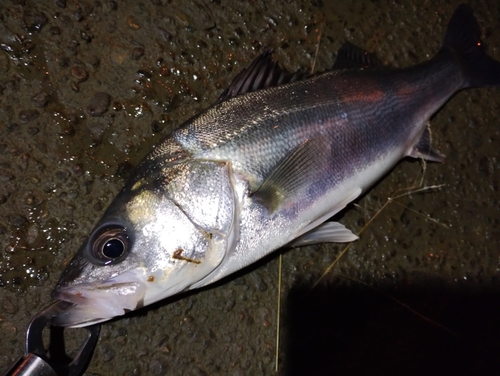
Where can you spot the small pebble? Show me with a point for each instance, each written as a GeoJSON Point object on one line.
{"type": "Point", "coordinates": [137, 53]}
{"type": "Point", "coordinates": [33, 131]}
{"type": "Point", "coordinates": [30, 200]}
{"type": "Point", "coordinates": [117, 106]}
{"type": "Point", "coordinates": [119, 54]}
{"type": "Point", "coordinates": [12, 84]}
{"type": "Point", "coordinates": [77, 169]}
{"type": "Point", "coordinates": [6, 176]}
{"type": "Point", "coordinates": [86, 36]}
{"type": "Point", "coordinates": [106, 352]}
{"type": "Point", "coordinates": [64, 62]}
{"type": "Point", "coordinates": [93, 61]}
{"type": "Point", "coordinates": [87, 186]}
{"type": "Point", "coordinates": [17, 220]}
{"type": "Point", "coordinates": [26, 116]}
{"type": "Point", "coordinates": [61, 3]}
{"type": "Point", "coordinates": [62, 175]}
{"type": "Point", "coordinates": [32, 234]}
{"type": "Point", "coordinates": [35, 22]}
{"type": "Point", "coordinates": [165, 34]}
{"type": "Point", "coordinates": [68, 130]}
{"type": "Point", "coordinates": [97, 130]}
{"type": "Point", "coordinates": [124, 169]}
{"type": "Point", "coordinates": [183, 18]}
{"type": "Point", "coordinates": [99, 104]}
{"type": "Point", "coordinates": [9, 329]}
{"type": "Point", "coordinates": [27, 46]}
{"type": "Point", "coordinates": [156, 367]}
{"type": "Point", "coordinates": [79, 73]}
{"type": "Point", "coordinates": [41, 99]}
{"type": "Point", "coordinates": [54, 30]}
{"type": "Point", "coordinates": [132, 23]}
{"type": "Point", "coordinates": [70, 224]}
{"type": "Point", "coordinates": [157, 127]}
{"type": "Point", "coordinates": [71, 48]}
{"type": "Point", "coordinates": [77, 16]}
{"type": "Point", "coordinates": [24, 160]}
{"type": "Point", "coordinates": [42, 146]}
{"type": "Point", "coordinates": [10, 248]}
{"type": "Point", "coordinates": [110, 27]}
{"type": "Point", "coordinates": [262, 286]}
{"type": "Point", "coordinates": [72, 194]}
{"type": "Point", "coordinates": [144, 73]}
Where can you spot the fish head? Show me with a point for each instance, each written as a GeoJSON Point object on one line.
{"type": "Point", "coordinates": [144, 248]}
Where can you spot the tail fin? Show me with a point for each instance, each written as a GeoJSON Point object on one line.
{"type": "Point", "coordinates": [463, 38]}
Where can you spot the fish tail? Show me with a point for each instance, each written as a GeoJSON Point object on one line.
{"type": "Point", "coordinates": [463, 38]}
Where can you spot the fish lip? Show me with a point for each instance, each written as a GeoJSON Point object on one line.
{"type": "Point", "coordinates": [97, 303]}
{"type": "Point", "coordinates": [64, 295]}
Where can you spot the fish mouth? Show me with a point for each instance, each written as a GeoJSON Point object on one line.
{"type": "Point", "coordinates": [95, 303]}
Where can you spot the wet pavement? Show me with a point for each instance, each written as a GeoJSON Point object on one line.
{"type": "Point", "coordinates": [88, 87]}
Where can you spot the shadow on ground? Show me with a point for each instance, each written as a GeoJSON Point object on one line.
{"type": "Point", "coordinates": [334, 330]}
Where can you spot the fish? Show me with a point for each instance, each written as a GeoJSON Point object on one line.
{"type": "Point", "coordinates": [264, 167]}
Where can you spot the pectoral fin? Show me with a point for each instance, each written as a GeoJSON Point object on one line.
{"type": "Point", "coordinates": [328, 232]}
{"type": "Point", "coordinates": [293, 174]}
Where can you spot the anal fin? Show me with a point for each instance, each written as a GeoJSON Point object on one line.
{"type": "Point", "coordinates": [328, 232]}
{"type": "Point", "coordinates": [424, 150]}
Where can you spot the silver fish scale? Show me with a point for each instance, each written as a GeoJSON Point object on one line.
{"type": "Point", "coordinates": [365, 122]}
{"type": "Point", "coordinates": [363, 115]}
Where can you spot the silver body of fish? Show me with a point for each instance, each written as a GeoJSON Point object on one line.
{"type": "Point", "coordinates": [262, 169]}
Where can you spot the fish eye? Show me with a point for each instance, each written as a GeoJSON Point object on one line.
{"type": "Point", "coordinates": [113, 248]}
{"type": "Point", "coordinates": [110, 245]}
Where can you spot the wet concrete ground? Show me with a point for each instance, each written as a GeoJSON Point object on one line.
{"type": "Point", "coordinates": [87, 88]}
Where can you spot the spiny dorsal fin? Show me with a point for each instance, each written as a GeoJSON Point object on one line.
{"type": "Point", "coordinates": [262, 73]}
{"type": "Point", "coordinates": [350, 56]}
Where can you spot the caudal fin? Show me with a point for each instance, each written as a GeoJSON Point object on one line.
{"type": "Point", "coordinates": [463, 38]}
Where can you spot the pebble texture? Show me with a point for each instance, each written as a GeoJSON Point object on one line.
{"type": "Point", "coordinates": [88, 87]}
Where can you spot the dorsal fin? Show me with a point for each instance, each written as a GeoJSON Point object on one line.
{"type": "Point", "coordinates": [350, 56]}
{"type": "Point", "coordinates": [262, 73]}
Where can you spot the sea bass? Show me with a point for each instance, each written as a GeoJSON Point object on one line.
{"type": "Point", "coordinates": [264, 167]}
